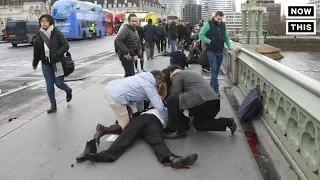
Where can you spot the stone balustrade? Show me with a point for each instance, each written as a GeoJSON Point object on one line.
{"type": "Point", "coordinates": [291, 104]}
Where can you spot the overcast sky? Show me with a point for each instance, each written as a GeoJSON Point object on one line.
{"type": "Point", "coordinates": [284, 3]}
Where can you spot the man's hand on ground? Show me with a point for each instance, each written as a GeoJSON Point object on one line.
{"type": "Point", "coordinates": [229, 52]}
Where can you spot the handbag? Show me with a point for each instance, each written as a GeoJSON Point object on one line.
{"type": "Point", "coordinates": [67, 64]}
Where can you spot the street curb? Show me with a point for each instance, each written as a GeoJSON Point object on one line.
{"type": "Point", "coordinates": [275, 162]}
{"type": "Point", "coordinates": [77, 79]}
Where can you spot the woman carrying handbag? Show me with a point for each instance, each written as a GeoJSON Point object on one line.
{"type": "Point", "coordinates": [49, 48]}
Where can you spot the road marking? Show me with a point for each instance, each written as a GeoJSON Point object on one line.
{"type": "Point", "coordinates": [42, 81]}
{"type": "Point", "coordinates": [111, 75]}
{"type": "Point", "coordinates": [86, 59]}
{"type": "Point", "coordinates": [18, 78]}
{"type": "Point", "coordinates": [21, 88]}
{"type": "Point", "coordinates": [91, 62]}
{"type": "Point", "coordinates": [84, 64]}
{"type": "Point", "coordinates": [8, 60]}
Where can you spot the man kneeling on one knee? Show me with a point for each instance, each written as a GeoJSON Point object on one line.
{"type": "Point", "coordinates": [191, 92]}
{"type": "Point", "coordinates": [149, 126]}
{"type": "Point", "coordinates": [131, 90]}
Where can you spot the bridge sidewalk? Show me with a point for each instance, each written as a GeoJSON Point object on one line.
{"type": "Point", "coordinates": [46, 146]}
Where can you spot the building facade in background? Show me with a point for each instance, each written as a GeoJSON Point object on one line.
{"type": "Point", "coordinates": [210, 7]}
{"type": "Point", "coordinates": [263, 1]}
{"type": "Point", "coordinates": [191, 13]}
{"type": "Point", "coordinates": [132, 6]}
{"type": "Point", "coordinates": [233, 21]}
{"type": "Point", "coordinates": [28, 11]}
{"type": "Point", "coordinates": [175, 7]}
{"type": "Point", "coordinates": [317, 3]}
{"type": "Point", "coordinates": [274, 13]}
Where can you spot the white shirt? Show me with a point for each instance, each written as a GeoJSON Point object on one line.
{"type": "Point", "coordinates": [156, 113]}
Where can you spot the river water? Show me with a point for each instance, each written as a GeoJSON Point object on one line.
{"type": "Point", "coordinates": [307, 63]}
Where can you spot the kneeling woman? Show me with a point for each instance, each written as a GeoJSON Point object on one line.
{"type": "Point", "coordinates": [49, 48]}
{"type": "Point", "coordinates": [191, 92]}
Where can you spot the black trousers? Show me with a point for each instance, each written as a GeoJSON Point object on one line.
{"type": "Point", "coordinates": [128, 66]}
{"type": "Point", "coordinates": [161, 44]}
{"type": "Point", "coordinates": [146, 126]}
{"type": "Point", "coordinates": [204, 115]}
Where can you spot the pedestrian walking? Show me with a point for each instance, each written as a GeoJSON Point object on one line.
{"type": "Point", "coordinates": [49, 48]}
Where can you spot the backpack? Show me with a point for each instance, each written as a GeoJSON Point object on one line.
{"type": "Point", "coordinates": [161, 30]}
{"type": "Point", "coordinates": [251, 105]}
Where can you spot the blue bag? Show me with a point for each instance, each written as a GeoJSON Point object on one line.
{"type": "Point", "coordinates": [251, 105]}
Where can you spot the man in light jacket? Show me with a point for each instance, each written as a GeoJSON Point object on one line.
{"type": "Point", "coordinates": [129, 91]}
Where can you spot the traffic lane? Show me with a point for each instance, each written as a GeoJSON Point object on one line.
{"type": "Point", "coordinates": [16, 62]}
{"type": "Point", "coordinates": [83, 68]}
{"type": "Point", "coordinates": [13, 58]}
{"type": "Point", "coordinates": [85, 48]}
{"type": "Point", "coordinates": [12, 103]}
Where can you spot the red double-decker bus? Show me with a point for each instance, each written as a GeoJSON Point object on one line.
{"type": "Point", "coordinates": [118, 19]}
{"type": "Point", "coordinates": [108, 21]}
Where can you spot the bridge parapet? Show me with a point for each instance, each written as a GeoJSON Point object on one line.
{"type": "Point", "coordinates": [291, 104]}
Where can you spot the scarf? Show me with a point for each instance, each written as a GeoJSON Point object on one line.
{"type": "Point", "coordinates": [57, 67]}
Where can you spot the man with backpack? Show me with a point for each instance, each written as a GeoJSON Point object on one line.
{"type": "Point", "coordinates": [161, 33]}
{"type": "Point", "coordinates": [151, 38]}
{"type": "Point", "coordinates": [214, 34]}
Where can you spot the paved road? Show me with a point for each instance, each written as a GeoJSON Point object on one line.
{"type": "Point", "coordinates": [41, 146]}
{"type": "Point", "coordinates": [17, 75]}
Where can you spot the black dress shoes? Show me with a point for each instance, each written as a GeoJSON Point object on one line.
{"type": "Point", "coordinates": [182, 161]}
{"type": "Point", "coordinates": [90, 148]}
{"type": "Point", "coordinates": [231, 125]}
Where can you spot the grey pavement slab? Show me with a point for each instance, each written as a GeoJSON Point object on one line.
{"type": "Point", "coordinates": [46, 146]}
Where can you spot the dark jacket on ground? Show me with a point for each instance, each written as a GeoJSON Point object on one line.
{"type": "Point", "coordinates": [128, 41]}
{"type": "Point", "coordinates": [193, 90]}
{"type": "Point", "coordinates": [172, 34]}
{"type": "Point", "coordinates": [178, 58]}
{"type": "Point", "coordinates": [150, 31]}
{"type": "Point", "coordinates": [142, 36]}
{"type": "Point", "coordinates": [58, 45]}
